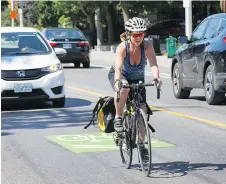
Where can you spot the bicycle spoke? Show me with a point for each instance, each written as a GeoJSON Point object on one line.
{"type": "Point", "coordinates": [144, 146]}
{"type": "Point", "coordinates": [126, 151]}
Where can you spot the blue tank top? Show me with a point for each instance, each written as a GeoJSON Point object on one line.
{"type": "Point", "coordinates": [134, 72]}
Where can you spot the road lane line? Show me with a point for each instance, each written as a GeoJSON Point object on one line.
{"type": "Point", "coordinates": [85, 91]}
{"type": "Point", "coordinates": [221, 124]}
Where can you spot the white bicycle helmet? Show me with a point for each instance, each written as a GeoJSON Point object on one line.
{"type": "Point", "coordinates": [136, 24]}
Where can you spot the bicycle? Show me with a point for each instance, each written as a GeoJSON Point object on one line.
{"type": "Point", "coordinates": [133, 116]}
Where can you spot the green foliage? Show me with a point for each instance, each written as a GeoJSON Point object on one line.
{"type": "Point", "coordinates": [80, 14]}
{"type": "Point", "coordinates": [65, 22]}
{"type": "Point", "coordinates": [4, 4]}
{"type": "Point", "coordinates": [37, 26]}
{"type": "Point", "coordinates": [45, 14]}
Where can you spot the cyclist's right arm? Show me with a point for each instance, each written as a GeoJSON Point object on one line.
{"type": "Point", "coordinates": [120, 55]}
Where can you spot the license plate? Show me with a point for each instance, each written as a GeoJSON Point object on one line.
{"type": "Point", "coordinates": [67, 46]}
{"type": "Point", "coordinates": [23, 88]}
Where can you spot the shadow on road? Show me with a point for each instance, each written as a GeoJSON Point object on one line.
{"type": "Point", "coordinates": [61, 118]}
{"type": "Point", "coordinates": [179, 169]}
{"type": "Point", "coordinates": [202, 98]}
{"type": "Point", "coordinates": [199, 98]}
{"type": "Point", "coordinates": [81, 67]}
{"type": "Point", "coordinates": [6, 133]}
{"type": "Point", "coordinates": [43, 115]}
{"type": "Point", "coordinates": [70, 102]}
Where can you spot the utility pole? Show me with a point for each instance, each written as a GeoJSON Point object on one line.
{"type": "Point", "coordinates": [20, 10]}
{"type": "Point", "coordinates": [187, 4]}
{"type": "Point", "coordinates": [12, 8]}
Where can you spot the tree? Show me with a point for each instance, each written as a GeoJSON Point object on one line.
{"type": "Point", "coordinates": [65, 22]}
{"type": "Point", "coordinates": [45, 14]}
{"type": "Point", "coordinates": [223, 5]}
{"type": "Point", "coordinates": [5, 19]}
{"type": "Point", "coordinates": [125, 7]}
{"type": "Point", "coordinates": [108, 14]}
{"type": "Point", "coordinates": [28, 8]}
{"type": "Point", "coordinates": [4, 4]}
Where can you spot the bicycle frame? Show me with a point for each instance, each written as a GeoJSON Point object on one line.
{"type": "Point", "coordinates": [135, 103]}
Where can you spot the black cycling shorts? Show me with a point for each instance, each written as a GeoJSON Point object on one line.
{"type": "Point", "coordinates": [111, 76]}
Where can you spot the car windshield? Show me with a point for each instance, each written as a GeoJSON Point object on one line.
{"type": "Point", "coordinates": [53, 34]}
{"type": "Point", "coordinates": [21, 43]}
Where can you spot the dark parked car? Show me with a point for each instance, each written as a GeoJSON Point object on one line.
{"type": "Point", "coordinates": [75, 43]}
{"type": "Point", "coordinates": [174, 27]}
{"type": "Point", "coordinates": [201, 62]}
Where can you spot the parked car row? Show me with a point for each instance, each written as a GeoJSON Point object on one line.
{"type": "Point", "coordinates": [32, 62]}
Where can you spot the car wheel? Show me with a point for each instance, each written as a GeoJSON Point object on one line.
{"type": "Point", "coordinates": [212, 97]}
{"type": "Point", "coordinates": [77, 65]}
{"type": "Point", "coordinates": [178, 91]}
{"type": "Point", "coordinates": [60, 102]}
{"type": "Point", "coordinates": [86, 64]}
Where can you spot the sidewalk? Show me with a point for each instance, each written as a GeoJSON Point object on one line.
{"type": "Point", "coordinates": [163, 61]}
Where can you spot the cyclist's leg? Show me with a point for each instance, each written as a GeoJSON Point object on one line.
{"type": "Point", "coordinates": [118, 105]}
{"type": "Point", "coordinates": [142, 126]}
{"type": "Point", "coordinates": [144, 107]}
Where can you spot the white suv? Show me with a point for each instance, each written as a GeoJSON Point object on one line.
{"type": "Point", "coordinates": [30, 69]}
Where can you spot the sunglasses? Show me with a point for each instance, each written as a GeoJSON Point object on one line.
{"type": "Point", "coordinates": [136, 35]}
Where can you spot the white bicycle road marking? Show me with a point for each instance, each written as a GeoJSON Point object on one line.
{"type": "Point", "coordinates": [96, 146]}
{"type": "Point", "coordinates": [90, 138]}
{"type": "Point", "coordinates": [85, 137]}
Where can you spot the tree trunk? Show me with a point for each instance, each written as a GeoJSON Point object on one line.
{"type": "Point", "coordinates": [109, 16]}
{"type": "Point", "coordinates": [91, 20]}
{"type": "Point", "coordinates": [99, 27]}
{"type": "Point", "coordinates": [223, 5]}
{"type": "Point", "coordinates": [125, 11]}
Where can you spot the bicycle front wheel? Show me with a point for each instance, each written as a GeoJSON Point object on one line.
{"type": "Point", "coordinates": [144, 143]}
{"type": "Point", "coordinates": [125, 146]}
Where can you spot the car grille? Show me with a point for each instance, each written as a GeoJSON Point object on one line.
{"type": "Point", "coordinates": [34, 93]}
{"type": "Point", "coordinates": [18, 75]}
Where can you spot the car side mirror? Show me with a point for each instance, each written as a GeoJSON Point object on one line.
{"type": "Point", "coordinates": [60, 52]}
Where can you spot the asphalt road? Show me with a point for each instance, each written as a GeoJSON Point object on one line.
{"type": "Point", "coordinates": [41, 144]}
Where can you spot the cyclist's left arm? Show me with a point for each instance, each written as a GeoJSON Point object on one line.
{"type": "Point", "coordinates": [150, 54]}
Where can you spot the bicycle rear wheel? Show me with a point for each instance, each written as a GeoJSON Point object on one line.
{"type": "Point", "coordinates": [145, 155]}
{"type": "Point", "coordinates": [125, 146]}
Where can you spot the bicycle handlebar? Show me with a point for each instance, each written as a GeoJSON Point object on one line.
{"type": "Point", "coordinates": [132, 86]}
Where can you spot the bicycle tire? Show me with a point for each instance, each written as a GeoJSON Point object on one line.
{"type": "Point", "coordinates": [127, 137]}
{"type": "Point", "coordinates": [147, 132]}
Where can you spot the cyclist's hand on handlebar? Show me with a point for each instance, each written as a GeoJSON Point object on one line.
{"type": "Point", "coordinates": [157, 82]}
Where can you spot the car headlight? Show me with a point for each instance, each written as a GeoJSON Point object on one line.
{"type": "Point", "coordinates": [52, 68]}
